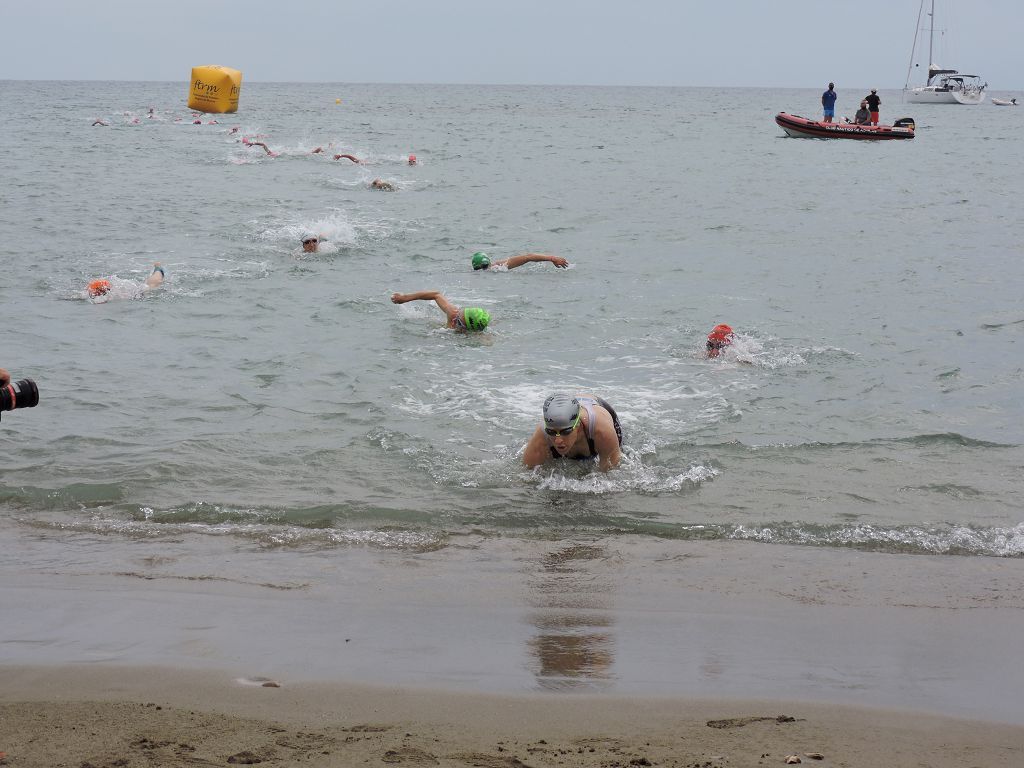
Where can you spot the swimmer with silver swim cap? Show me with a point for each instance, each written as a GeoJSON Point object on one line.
{"type": "Point", "coordinates": [481, 260]}
{"type": "Point", "coordinates": [582, 427]}
{"type": "Point", "coordinates": [561, 412]}
{"type": "Point", "coordinates": [469, 319]}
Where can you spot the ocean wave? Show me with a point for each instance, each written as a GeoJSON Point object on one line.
{"type": "Point", "coordinates": [933, 540]}
{"type": "Point", "coordinates": [933, 440]}
{"type": "Point", "coordinates": [254, 526]}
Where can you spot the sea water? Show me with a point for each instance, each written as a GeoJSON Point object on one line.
{"type": "Point", "coordinates": [278, 399]}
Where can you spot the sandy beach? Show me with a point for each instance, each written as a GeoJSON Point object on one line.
{"type": "Point", "coordinates": [508, 653]}
{"type": "Point", "coordinates": [144, 717]}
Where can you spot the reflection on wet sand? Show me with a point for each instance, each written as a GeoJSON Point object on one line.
{"type": "Point", "coordinates": [574, 645]}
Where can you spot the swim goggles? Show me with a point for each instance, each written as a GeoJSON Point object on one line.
{"type": "Point", "coordinates": [564, 430]}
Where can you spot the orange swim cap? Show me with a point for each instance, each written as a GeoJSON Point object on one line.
{"type": "Point", "coordinates": [99, 287]}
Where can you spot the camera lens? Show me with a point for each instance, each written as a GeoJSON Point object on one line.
{"type": "Point", "coordinates": [19, 394]}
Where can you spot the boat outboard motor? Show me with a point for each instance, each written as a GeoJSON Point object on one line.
{"type": "Point", "coordinates": [905, 122]}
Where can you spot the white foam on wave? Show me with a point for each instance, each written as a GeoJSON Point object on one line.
{"type": "Point", "coordinates": [334, 229]}
{"type": "Point", "coordinates": [958, 539]}
{"type": "Point", "coordinates": [632, 474]}
{"type": "Point", "coordinates": [258, 530]}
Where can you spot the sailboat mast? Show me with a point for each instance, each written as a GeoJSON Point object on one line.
{"type": "Point", "coordinates": [931, 38]}
{"type": "Point", "coordinates": [913, 48]}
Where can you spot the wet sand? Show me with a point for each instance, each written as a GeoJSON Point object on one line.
{"type": "Point", "coordinates": [107, 718]}
{"type": "Point", "coordinates": [627, 647]}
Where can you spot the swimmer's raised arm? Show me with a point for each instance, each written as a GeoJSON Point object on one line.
{"type": "Point", "coordinates": [348, 157]}
{"type": "Point", "coordinates": [526, 258]}
{"type": "Point", "coordinates": [435, 296]}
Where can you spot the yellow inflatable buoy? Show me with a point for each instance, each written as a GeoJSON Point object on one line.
{"type": "Point", "coordinates": [214, 89]}
{"type": "Point", "coordinates": [337, 101]}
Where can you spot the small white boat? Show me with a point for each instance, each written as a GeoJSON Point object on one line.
{"type": "Point", "coordinates": [1004, 102]}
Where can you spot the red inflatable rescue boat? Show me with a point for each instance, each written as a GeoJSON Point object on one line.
{"type": "Point", "coordinates": [802, 128]}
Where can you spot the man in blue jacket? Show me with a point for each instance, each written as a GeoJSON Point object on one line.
{"type": "Point", "coordinates": [828, 102]}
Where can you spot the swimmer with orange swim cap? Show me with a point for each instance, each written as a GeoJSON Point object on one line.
{"type": "Point", "coordinates": [721, 336]}
{"type": "Point", "coordinates": [98, 288]}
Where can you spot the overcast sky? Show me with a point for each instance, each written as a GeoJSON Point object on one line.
{"type": "Point", "coordinates": [770, 43]}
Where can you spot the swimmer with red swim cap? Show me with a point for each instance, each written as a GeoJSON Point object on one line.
{"type": "Point", "coordinates": [412, 159]}
{"type": "Point", "coordinates": [721, 336]}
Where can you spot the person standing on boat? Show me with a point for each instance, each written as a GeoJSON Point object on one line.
{"type": "Point", "coordinates": [828, 102]}
{"type": "Point", "coordinates": [873, 102]}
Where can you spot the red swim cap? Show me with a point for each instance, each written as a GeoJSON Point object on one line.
{"type": "Point", "coordinates": [99, 287]}
{"type": "Point", "coordinates": [412, 159]}
{"type": "Point", "coordinates": [720, 337]}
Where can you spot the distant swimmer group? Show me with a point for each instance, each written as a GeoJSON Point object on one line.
{"type": "Point", "coordinates": [576, 427]}
{"type": "Point", "coordinates": [481, 260]}
{"type": "Point", "coordinates": [469, 319]}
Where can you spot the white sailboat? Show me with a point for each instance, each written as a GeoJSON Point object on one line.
{"type": "Point", "coordinates": [944, 86]}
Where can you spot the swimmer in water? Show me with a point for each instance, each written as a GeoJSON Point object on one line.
{"type": "Point", "coordinates": [260, 144]}
{"type": "Point", "coordinates": [721, 336]}
{"type": "Point", "coordinates": [482, 261]}
{"type": "Point", "coordinates": [355, 160]}
{"type": "Point", "coordinates": [412, 159]}
{"type": "Point", "coordinates": [98, 289]}
{"type": "Point", "coordinates": [580, 427]}
{"type": "Point", "coordinates": [469, 319]}
{"type": "Point", "coordinates": [310, 243]}
{"type": "Point", "coordinates": [156, 277]}
{"type": "Point", "coordinates": [382, 185]}
{"type": "Point", "coordinates": [97, 121]}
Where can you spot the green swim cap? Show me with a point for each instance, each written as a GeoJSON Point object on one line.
{"type": "Point", "coordinates": [481, 260]}
{"type": "Point", "coordinates": [476, 319]}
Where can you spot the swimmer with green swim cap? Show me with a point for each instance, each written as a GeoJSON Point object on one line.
{"type": "Point", "coordinates": [469, 319]}
{"type": "Point", "coordinates": [482, 261]}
